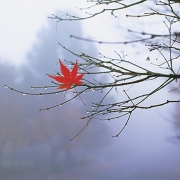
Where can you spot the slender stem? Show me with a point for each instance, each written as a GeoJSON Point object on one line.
{"type": "Point", "coordinates": [80, 97]}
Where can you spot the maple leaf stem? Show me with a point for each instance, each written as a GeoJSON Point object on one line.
{"type": "Point", "coordinates": [80, 97]}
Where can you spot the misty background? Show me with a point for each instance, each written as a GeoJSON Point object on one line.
{"type": "Point", "coordinates": [36, 144]}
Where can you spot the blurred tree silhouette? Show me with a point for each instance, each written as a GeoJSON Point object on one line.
{"type": "Point", "coordinates": [22, 126]}
{"type": "Point", "coordinates": [112, 73]}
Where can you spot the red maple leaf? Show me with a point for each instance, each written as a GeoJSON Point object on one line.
{"type": "Point", "coordinates": [68, 78]}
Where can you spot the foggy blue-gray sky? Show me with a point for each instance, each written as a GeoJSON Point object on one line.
{"type": "Point", "coordinates": [141, 152]}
